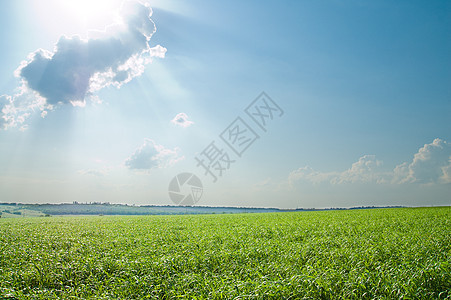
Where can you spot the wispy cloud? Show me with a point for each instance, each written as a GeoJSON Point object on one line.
{"type": "Point", "coordinates": [430, 165]}
{"type": "Point", "coordinates": [366, 169]}
{"type": "Point", "coordinates": [150, 155]}
{"type": "Point", "coordinates": [181, 120]}
{"type": "Point", "coordinates": [77, 67]}
{"type": "Point", "coordinates": [94, 172]}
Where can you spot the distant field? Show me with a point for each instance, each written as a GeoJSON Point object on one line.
{"type": "Point", "coordinates": [16, 210]}
{"type": "Point", "coordinates": [381, 253]}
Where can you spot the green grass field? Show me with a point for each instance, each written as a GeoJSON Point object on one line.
{"type": "Point", "coordinates": [355, 254]}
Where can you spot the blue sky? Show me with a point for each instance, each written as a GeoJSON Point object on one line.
{"type": "Point", "coordinates": [115, 104]}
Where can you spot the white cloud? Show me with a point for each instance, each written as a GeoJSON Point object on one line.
{"type": "Point", "coordinates": [400, 173]}
{"type": "Point", "coordinates": [77, 67]}
{"type": "Point", "coordinates": [181, 120]}
{"type": "Point", "coordinates": [446, 178]}
{"type": "Point", "coordinates": [431, 164]}
{"type": "Point", "coordinates": [4, 101]}
{"type": "Point", "coordinates": [308, 174]}
{"type": "Point", "coordinates": [151, 155]}
{"type": "Point", "coordinates": [158, 51]}
{"type": "Point", "coordinates": [365, 170]}
{"type": "Point", "coordinates": [16, 109]}
{"type": "Point", "coordinates": [265, 183]}
{"type": "Point", "coordinates": [94, 172]}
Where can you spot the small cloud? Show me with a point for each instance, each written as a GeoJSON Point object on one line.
{"type": "Point", "coordinates": [446, 178]}
{"type": "Point", "coordinates": [308, 174]}
{"type": "Point", "coordinates": [78, 103]}
{"type": "Point", "coordinates": [181, 120]}
{"type": "Point", "coordinates": [158, 51]}
{"type": "Point", "coordinates": [265, 183]}
{"type": "Point", "coordinates": [151, 155]}
{"type": "Point", "coordinates": [94, 172]}
{"type": "Point", "coordinates": [4, 101]}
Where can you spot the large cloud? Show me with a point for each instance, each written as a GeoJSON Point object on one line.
{"type": "Point", "coordinates": [151, 155]}
{"type": "Point", "coordinates": [78, 67]}
{"type": "Point", "coordinates": [430, 165]}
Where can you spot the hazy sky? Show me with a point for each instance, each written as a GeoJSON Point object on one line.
{"type": "Point", "coordinates": [101, 102]}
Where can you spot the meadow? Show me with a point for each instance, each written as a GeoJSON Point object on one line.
{"type": "Point", "coordinates": [401, 253]}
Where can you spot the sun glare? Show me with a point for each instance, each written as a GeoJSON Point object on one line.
{"type": "Point", "coordinates": [87, 8]}
{"type": "Point", "coordinates": [92, 14]}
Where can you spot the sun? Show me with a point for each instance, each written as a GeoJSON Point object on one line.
{"type": "Point", "coordinates": [74, 17]}
{"type": "Point", "coordinates": [92, 13]}
{"type": "Point", "coordinates": [88, 9]}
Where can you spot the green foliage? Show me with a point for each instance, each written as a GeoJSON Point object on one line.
{"type": "Point", "coordinates": [359, 254]}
